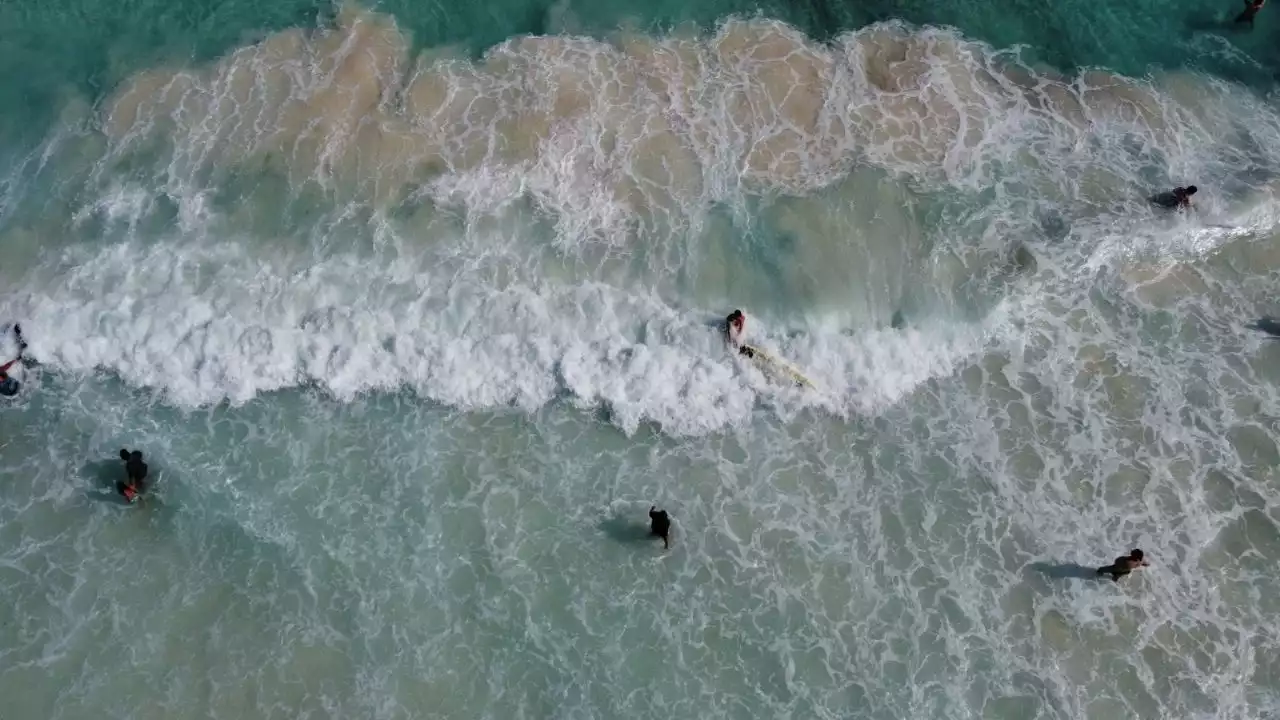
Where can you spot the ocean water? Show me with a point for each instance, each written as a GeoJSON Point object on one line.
{"type": "Point", "coordinates": [413, 309]}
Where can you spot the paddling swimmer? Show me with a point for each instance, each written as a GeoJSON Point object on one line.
{"type": "Point", "coordinates": [9, 386]}
{"type": "Point", "coordinates": [660, 525]}
{"type": "Point", "coordinates": [734, 326]}
{"type": "Point", "coordinates": [1268, 325]}
{"type": "Point", "coordinates": [1251, 8]}
{"type": "Point", "coordinates": [1124, 565]}
{"type": "Point", "coordinates": [136, 472]}
{"type": "Point", "coordinates": [1179, 197]}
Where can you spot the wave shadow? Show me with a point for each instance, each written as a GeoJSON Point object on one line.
{"type": "Point", "coordinates": [1208, 22]}
{"type": "Point", "coordinates": [626, 530]}
{"type": "Point", "coordinates": [1066, 571]}
{"type": "Point", "coordinates": [103, 473]}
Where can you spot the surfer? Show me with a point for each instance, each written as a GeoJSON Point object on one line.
{"type": "Point", "coordinates": [734, 326]}
{"type": "Point", "coordinates": [1124, 565]}
{"type": "Point", "coordinates": [9, 386]}
{"type": "Point", "coordinates": [136, 472]}
{"type": "Point", "coordinates": [660, 525]}
{"type": "Point", "coordinates": [1179, 197]}
{"type": "Point", "coordinates": [1251, 8]}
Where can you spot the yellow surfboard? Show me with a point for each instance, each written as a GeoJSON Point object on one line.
{"type": "Point", "coordinates": [769, 362]}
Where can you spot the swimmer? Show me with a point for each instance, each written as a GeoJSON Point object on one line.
{"type": "Point", "coordinates": [734, 326]}
{"type": "Point", "coordinates": [1179, 197]}
{"type": "Point", "coordinates": [1268, 325]}
{"type": "Point", "coordinates": [660, 525]}
{"type": "Point", "coordinates": [9, 386]}
{"type": "Point", "coordinates": [1251, 8]}
{"type": "Point", "coordinates": [136, 472]}
{"type": "Point", "coordinates": [1124, 565]}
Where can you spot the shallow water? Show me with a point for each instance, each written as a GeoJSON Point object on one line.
{"type": "Point", "coordinates": [415, 316]}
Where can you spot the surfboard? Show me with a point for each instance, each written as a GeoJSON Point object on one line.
{"type": "Point", "coordinates": [769, 362]}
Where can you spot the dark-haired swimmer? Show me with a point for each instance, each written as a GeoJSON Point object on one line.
{"type": "Point", "coordinates": [1179, 197]}
{"type": "Point", "coordinates": [1251, 8]}
{"type": "Point", "coordinates": [1124, 565]}
{"type": "Point", "coordinates": [660, 525]}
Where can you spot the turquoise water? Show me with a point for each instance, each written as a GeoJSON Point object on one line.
{"type": "Point", "coordinates": [413, 310]}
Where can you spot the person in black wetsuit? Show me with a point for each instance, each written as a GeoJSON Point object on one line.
{"type": "Point", "coordinates": [1124, 565]}
{"type": "Point", "coordinates": [660, 525]}
{"type": "Point", "coordinates": [136, 473]}
{"type": "Point", "coordinates": [9, 386]}
{"type": "Point", "coordinates": [1179, 197]}
{"type": "Point", "coordinates": [1251, 8]}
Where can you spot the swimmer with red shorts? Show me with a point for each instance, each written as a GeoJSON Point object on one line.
{"type": "Point", "coordinates": [136, 472]}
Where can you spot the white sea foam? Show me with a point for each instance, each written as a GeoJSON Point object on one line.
{"type": "Point", "coordinates": [211, 322]}
{"type": "Point", "coordinates": [557, 187]}
{"type": "Point", "coordinates": [618, 141]}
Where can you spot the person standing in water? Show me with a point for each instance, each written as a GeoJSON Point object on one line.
{"type": "Point", "coordinates": [1124, 565]}
{"type": "Point", "coordinates": [660, 525]}
{"type": "Point", "coordinates": [135, 473]}
{"type": "Point", "coordinates": [734, 327]}
{"type": "Point", "coordinates": [1251, 8]}
{"type": "Point", "coordinates": [9, 386]}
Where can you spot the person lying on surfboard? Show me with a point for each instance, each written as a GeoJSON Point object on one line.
{"type": "Point", "coordinates": [734, 326]}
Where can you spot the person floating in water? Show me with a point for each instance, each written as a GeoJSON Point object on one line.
{"type": "Point", "coordinates": [1268, 325]}
{"type": "Point", "coordinates": [1124, 565]}
{"type": "Point", "coordinates": [1179, 197]}
{"type": "Point", "coordinates": [9, 386]}
{"type": "Point", "coordinates": [136, 472]}
{"type": "Point", "coordinates": [734, 326]}
{"type": "Point", "coordinates": [1251, 8]}
{"type": "Point", "coordinates": [660, 525]}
